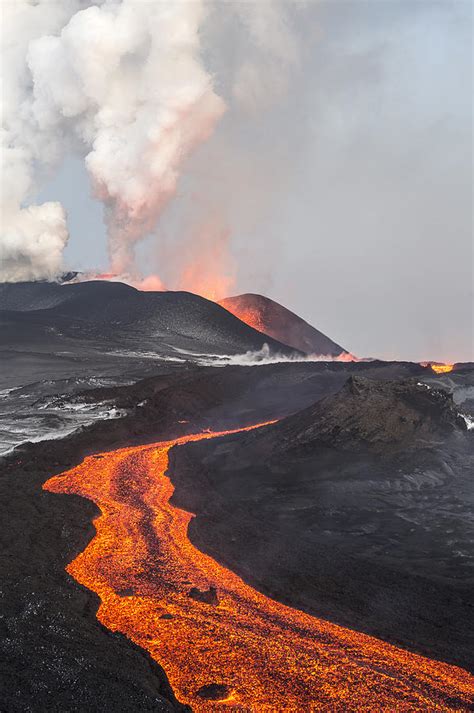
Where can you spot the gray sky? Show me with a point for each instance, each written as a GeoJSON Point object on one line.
{"type": "Point", "coordinates": [341, 187]}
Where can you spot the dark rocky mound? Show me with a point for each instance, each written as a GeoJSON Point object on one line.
{"type": "Point", "coordinates": [357, 509]}
{"type": "Point", "coordinates": [377, 415]}
{"type": "Point", "coordinates": [213, 692]}
{"type": "Point", "coordinates": [273, 319]}
{"type": "Point", "coordinates": [100, 308]}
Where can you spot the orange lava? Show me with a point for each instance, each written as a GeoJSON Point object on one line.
{"type": "Point", "coordinates": [271, 657]}
{"type": "Point", "coordinates": [250, 316]}
{"type": "Point", "coordinates": [104, 276]}
{"type": "Point", "coordinates": [346, 356]}
{"type": "Point", "coordinates": [442, 368]}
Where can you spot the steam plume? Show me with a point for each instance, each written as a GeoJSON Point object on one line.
{"type": "Point", "coordinates": [32, 238]}
{"type": "Point", "coordinates": [122, 84]}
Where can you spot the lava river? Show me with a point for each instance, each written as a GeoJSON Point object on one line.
{"type": "Point", "coordinates": [265, 656]}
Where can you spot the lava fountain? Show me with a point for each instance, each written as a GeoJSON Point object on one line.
{"type": "Point", "coordinates": [252, 653]}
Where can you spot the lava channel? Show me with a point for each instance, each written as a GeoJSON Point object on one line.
{"type": "Point", "coordinates": [250, 652]}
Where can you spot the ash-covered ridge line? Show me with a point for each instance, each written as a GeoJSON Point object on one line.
{"type": "Point", "coordinates": [99, 309]}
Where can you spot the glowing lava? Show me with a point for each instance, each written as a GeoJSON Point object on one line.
{"type": "Point", "coordinates": [263, 655]}
{"type": "Point", "coordinates": [442, 368]}
{"type": "Point", "coordinates": [252, 317]}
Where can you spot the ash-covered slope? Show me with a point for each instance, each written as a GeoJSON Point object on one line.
{"type": "Point", "coordinates": [357, 509]}
{"type": "Point", "coordinates": [97, 309]}
{"type": "Point", "coordinates": [273, 319]}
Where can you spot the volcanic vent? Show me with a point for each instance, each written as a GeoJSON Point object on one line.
{"type": "Point", "coordinates": [272, 318]}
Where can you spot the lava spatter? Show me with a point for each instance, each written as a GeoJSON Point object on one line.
{"type": "Point", "coordinates": [239, 651]}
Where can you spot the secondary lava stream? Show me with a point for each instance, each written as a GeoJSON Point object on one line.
{"type": "Point", "coordinates": [260, 654]}
{"type": "Point", "coordinates": [442, 368]}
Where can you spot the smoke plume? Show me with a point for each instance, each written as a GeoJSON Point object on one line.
{"type": "Point", "coordinates": [123, 84]}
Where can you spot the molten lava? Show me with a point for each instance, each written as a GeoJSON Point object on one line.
{"type": "Point", "coordinates": [442, 368]}
{"type": "Point", "coordinates": [252, 317]}
{"type": "Point", "coordinates": [259, 654]}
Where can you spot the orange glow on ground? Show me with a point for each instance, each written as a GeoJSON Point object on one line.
{"type": "Point", "coordinates": [346, 356]}
{"type": "Point", "coordinates": [103, 276]}
{"type": "Point", "coordinates": [442, 368]}
{"type": "Point", "coordinates": [271, 658]}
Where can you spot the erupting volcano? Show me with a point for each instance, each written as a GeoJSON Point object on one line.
{"type": "Point", "coordinates": [208, 504]}
{"type": "Point", "coordinates": [267, 316]}
{"type": "Point", "coordinates": [223, 644]}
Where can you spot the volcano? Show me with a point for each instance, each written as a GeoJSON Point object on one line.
{"type": "Point", "coordinates": [271, 318]}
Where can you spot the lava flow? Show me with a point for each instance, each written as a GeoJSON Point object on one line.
{"type": "Point", "coordinates": [442, 368]}
{"type": "Point", "coordinates": [157, 588]}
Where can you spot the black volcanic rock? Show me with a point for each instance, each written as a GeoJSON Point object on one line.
{"type": "Point", "coordinates": [101, 309]}
{"type": "Point", "coordinates": [213, 692]}
{"type": "Point", "coordinates": [278, 322]}
{"type": "Point", "coordinates": [381, 415]}
{"type": "Point", "coordinates": [207, 596]}
{"type": "Point", "coordinates": [230, 396]}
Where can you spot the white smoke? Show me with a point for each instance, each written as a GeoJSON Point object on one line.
{"type": "Point", "coordinates": [31, 238]}
{"type": "Point", "coordinates": [261, 357]}
{"type": "Point", "coordinates": [33, 241]}
{"type": "Point", "coordinates": [264, 74]}
{"type": "Point", "coordinates": [469, 421]}
{"type": "Point", "coordinates": [123, 84]}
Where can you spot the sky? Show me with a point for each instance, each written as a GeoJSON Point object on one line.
{"type": "Point", "coordinates": [338, 182]}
